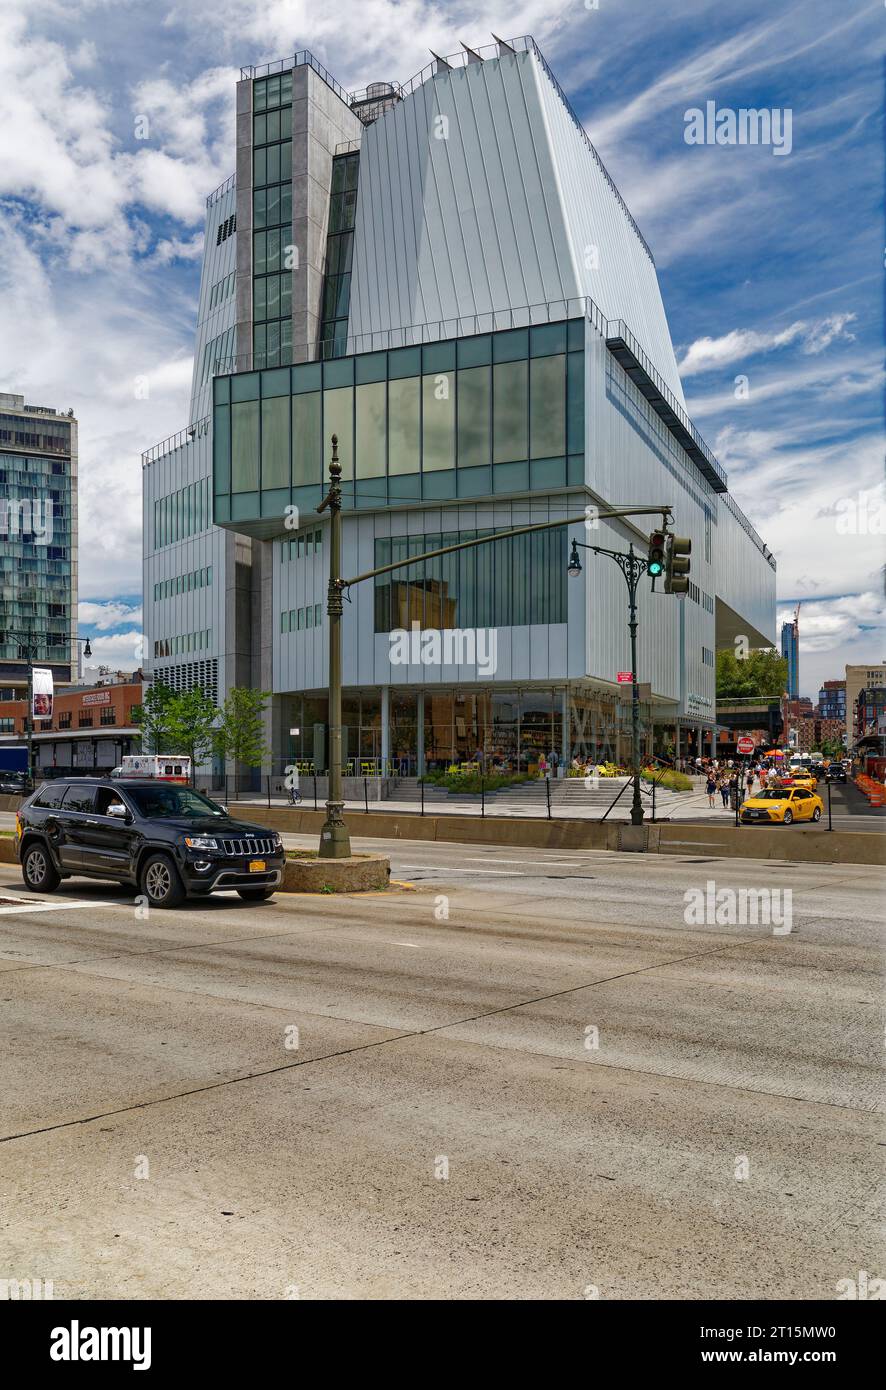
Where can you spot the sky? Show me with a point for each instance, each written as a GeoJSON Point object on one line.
{"type": "Point", "coordinates": [117, 119]}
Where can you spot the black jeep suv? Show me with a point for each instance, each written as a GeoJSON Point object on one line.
{"type": "Point", "coordinates": [166, 840]}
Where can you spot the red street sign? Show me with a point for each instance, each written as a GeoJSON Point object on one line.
{"type": "Point", "coordinates": [624, 678]}
{"type": "Point", "coordinates": [745, 745]}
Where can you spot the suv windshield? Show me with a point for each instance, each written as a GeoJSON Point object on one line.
{"type": "Point", "coordinates": [166, 801]}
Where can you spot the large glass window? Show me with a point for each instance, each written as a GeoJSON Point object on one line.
{"type": "Point", "coordinates": [404, 426]}
{"type": "Point", "coordinates": [338, 418]}
{"type": "Point", "coordinates": [511, 582]}
{"type": "Point", "coordinates": [438, 421]}
{"type": "Point", "coordinates": [275, 442]}
{"type": "Point", "coordinates": [370, 445]}
{"type": "Point", "coordinates": [509, 412]}
{"type": "Point", "coordinates": [339, 251]}
{"type": "Point", "coordinates": [474, 416]}
{"type": "Point", "coordinates": [307, 452]}
{"type": "Point", "coordinates": [547, 406]}
{"type": "Point", "coordinates": [244, 446]}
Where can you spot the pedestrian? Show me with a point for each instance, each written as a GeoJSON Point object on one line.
{"type": "Point", "coordinates": [724, 790]}
{"type": "Point", "coordinates": [543, 766]}
{"type": "Point", "coordinates": [711, 788]}
{"type": "Point", "coordinates": [553, 762]}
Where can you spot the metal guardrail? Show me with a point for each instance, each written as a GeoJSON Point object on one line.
{"type": "Point", "coordinates": [222, 189]}
{"type": "Point", "coordinates": [417, 334]}
{"type": "Point", "coordinates": [176, 441]}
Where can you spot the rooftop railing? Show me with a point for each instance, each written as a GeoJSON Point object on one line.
{"type": "Point", "coordinates": [175, 441]}
{"type": "Point", "coordinates": [222, 189]}
{"type": "Point", "coordinates": [417, 334]}
{"type": "Point", "coordinates": [617, 330]}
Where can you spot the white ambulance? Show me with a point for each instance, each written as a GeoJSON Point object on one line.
{"type": "Point", "coordinates": [165, 767]}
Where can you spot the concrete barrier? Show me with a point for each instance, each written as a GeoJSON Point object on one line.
{"type": "Point", "coordinates": [795, 843]}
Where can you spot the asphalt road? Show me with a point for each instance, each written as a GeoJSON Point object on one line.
{"type": "Point", "coordinates": [529, 1076]}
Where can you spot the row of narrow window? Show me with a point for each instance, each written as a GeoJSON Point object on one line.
{"type": "Point", "coordinates": [226, 229]}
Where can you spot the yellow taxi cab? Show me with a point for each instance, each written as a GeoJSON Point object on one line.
{"type": "Point", "coordinates": [782, 806]}
{"type": "Point", "coordinates": [806, 779]}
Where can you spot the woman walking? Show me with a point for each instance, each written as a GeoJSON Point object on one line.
{"type": "Point", "coordinates": [711, 788]}
{"type": "Point", "coordinates": [724, 790]}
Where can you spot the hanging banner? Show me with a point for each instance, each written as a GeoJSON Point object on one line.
{"type": "Point", "coordinates": [41, 703]}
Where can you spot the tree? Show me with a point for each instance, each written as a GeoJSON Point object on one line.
{"type": "Point", "coordinates": [193, 720]}
{"type": "Point", "coordinates": [153, 717]}
{"type": "Point", "coordinates": [762, 674]}
{"type": "Point", "coordinates": [241, 736]}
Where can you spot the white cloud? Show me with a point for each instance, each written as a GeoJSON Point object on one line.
{"type": "Point", "coordinates": [108, 615]}
{"type": "Point", "coordinates": [120, 651]}
{"type": "Point", "coordinates": [707, 354]}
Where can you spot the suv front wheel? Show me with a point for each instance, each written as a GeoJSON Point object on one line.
{"type": "Point", "coordinates": [38, 870]}
{"type": "Point", "coordinates": [160, 882]}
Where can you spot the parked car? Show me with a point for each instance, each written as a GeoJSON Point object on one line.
{"type": "Point", "coordinates": [166, 840]}
{"type": "Point", "coordinates": [13, 783]}
{"type": "Point", "coordinates": [782, 806]}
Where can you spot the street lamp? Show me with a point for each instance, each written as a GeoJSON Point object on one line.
{"type": "Point", "coordinates": [632, 567]}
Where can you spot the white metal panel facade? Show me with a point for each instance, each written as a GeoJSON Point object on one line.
{"type": "Point", "coordinates": [189, 460]}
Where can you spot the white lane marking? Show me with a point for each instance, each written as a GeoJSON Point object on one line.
{"type": "Point", "coordinates": [544, 863]}
{"type": "Point", "coordinates": [28, 906]}
{"type": "Point", "coordinates": [452, 868]}
{"type": "Point", "coordinates": [414, 944]}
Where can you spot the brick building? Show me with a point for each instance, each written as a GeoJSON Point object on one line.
{"type": "Point", "coordinates": [91, 728]}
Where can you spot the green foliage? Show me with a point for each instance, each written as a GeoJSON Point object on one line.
{"type": "Point", "coordinates": [193, 719]}
{"type": "Point", "coordinates": [833, 748]}
{"type": "Point", "coordinates": [154, 718]}
{"type": "Point", "coordinates": [762, 674]}
{"type": "Point", "coordinates": [240, 735]}
{"type": "Point", "coordinates": [674, 781]}
{"type": "Point", "coordinates": [454, 780]}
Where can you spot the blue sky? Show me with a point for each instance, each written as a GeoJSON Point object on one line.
{"type": "Point", "coordinates": [770, 266]}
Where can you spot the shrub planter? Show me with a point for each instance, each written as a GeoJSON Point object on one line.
{"type": "Point", "coordinates": [354, 875]}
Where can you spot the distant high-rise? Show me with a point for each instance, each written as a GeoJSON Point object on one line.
{"type": "Point", "coordinates": [38, 541]}
{"type": "Point", "coordinates": [790, 648]}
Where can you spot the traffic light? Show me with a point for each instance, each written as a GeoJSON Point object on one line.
{"type": "Point", "coordinates": [677, 565]}
{"type": "Point", "coordinates": [656, 562]}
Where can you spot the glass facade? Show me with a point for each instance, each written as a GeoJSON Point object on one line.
{"type": "Point", "coordinates": [506, 729]}
{"type": "Point", "coordinates": [339, 253]}
{"type": "Point", "coordinates": [36, 526]}
{"type": "Point", "coordinates": [181, 514]}
{"type": "Point", "coordinates": [495, 413]}
{"type": "Point", "coordinates": [272, 249]}
{"type": "Point", "coordinates": [510, 583]}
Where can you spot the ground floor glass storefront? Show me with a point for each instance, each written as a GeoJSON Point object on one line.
{"type": "Point", "coordinates": [408, 731]}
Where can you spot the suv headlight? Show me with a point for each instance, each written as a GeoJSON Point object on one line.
{"type": "Point", "coordinates": [200, 842]}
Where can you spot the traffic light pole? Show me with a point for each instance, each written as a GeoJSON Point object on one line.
{"type": "Point", "coordinates": [633, 568]}
{"type": "Point", "coordinates": [334, 838]}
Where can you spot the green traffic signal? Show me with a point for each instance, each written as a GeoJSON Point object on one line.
{"type": "Point", "coordinates": [655, 563]}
